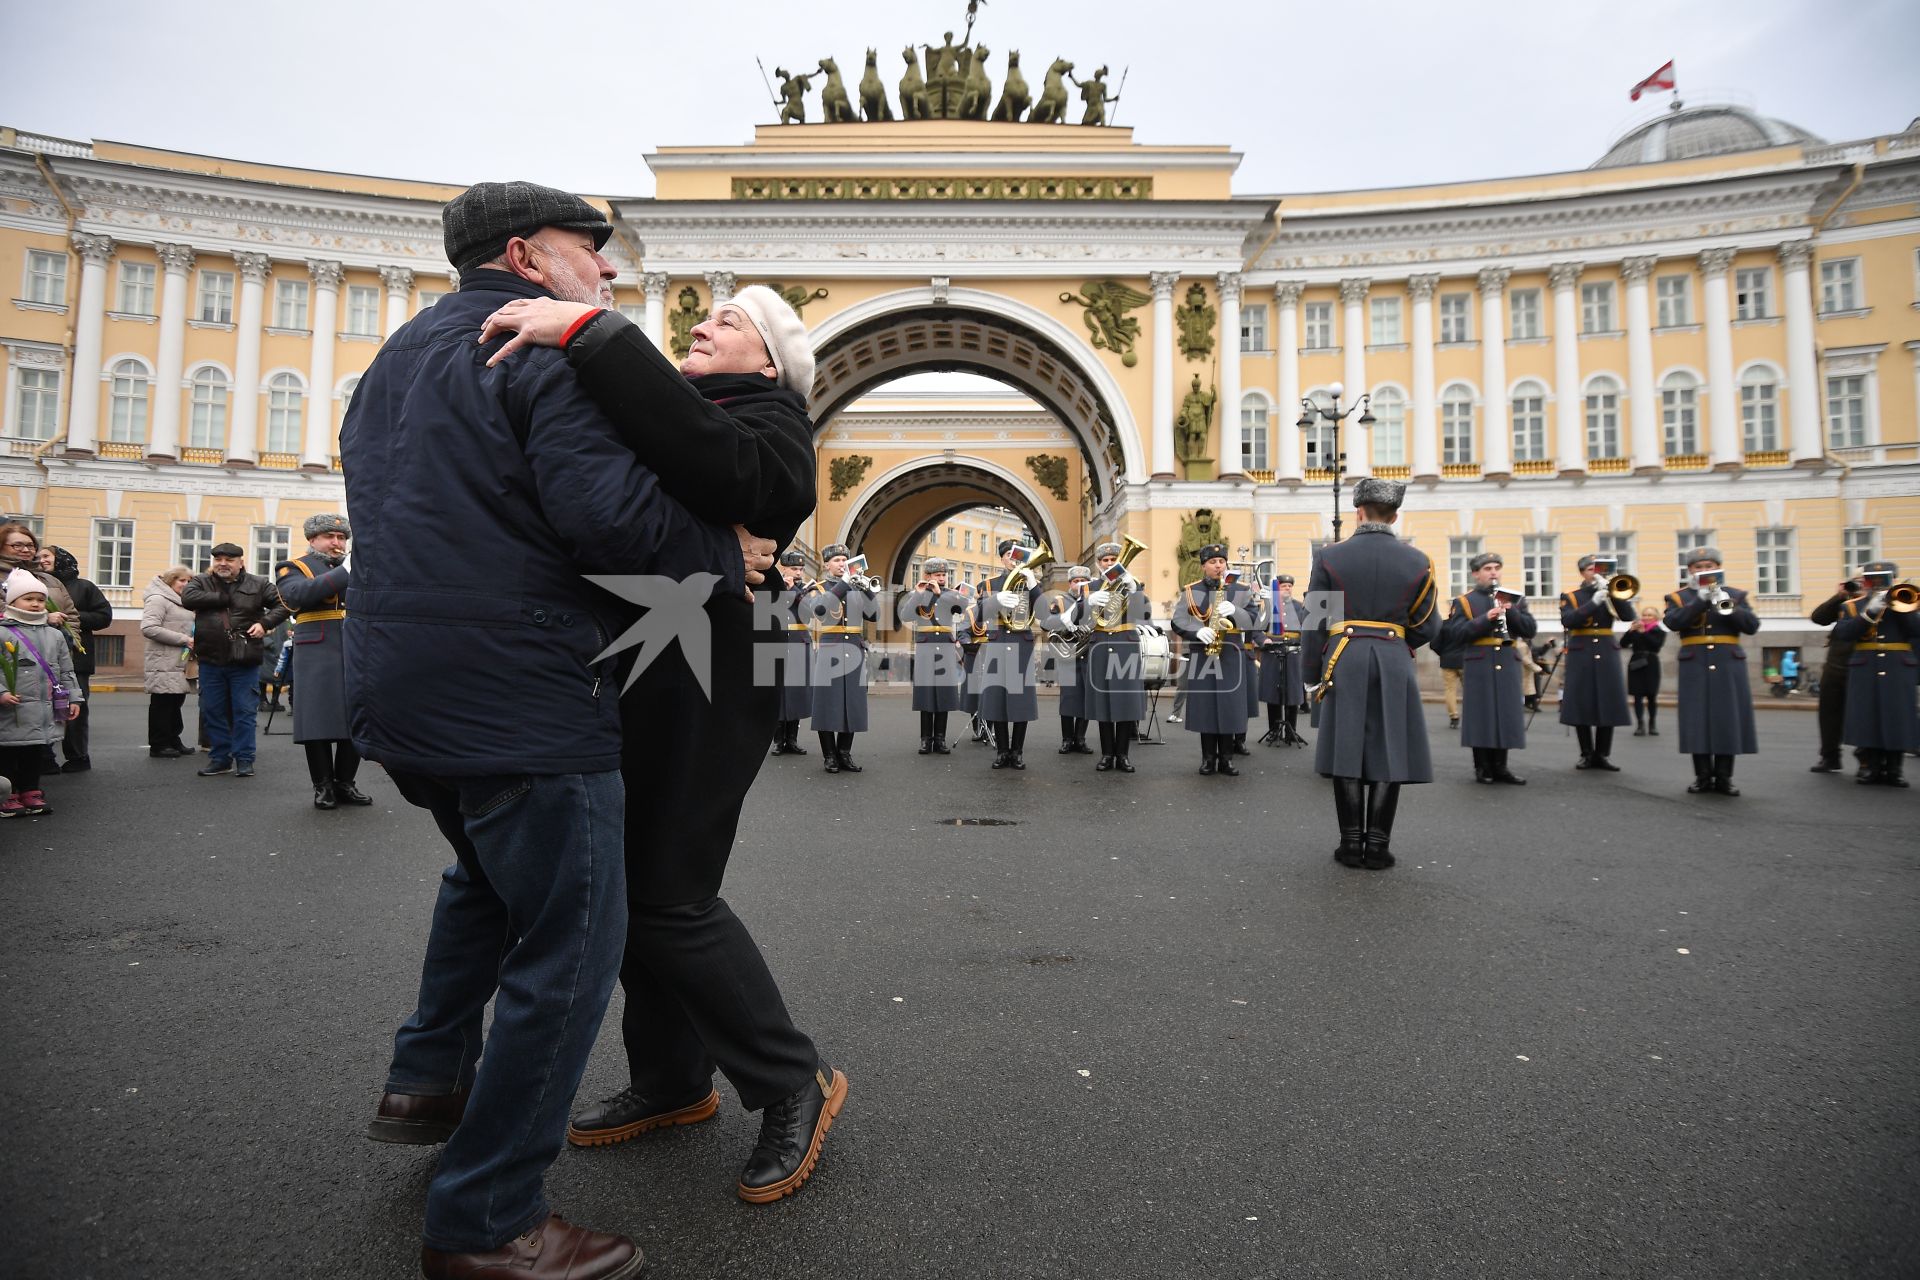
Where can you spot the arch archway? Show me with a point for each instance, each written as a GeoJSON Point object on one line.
{"type": "Point", "coordinates": [900, 507]}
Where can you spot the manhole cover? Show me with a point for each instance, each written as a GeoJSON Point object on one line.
{"type": "Point", "coordinates": [978, 822]}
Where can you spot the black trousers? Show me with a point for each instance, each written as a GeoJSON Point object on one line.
{"type": "Point", "coordinates": [75, 744]}
{"type": "Point", "coordinates": [698, 990]}
{"type": "Point", "coordinates": [332, 760]}
{"type": "Point", "coordinates": [21, 766]}
{"type": "Point", "coordinates": [163, 720]}
{"type": "Point", "coordinates": [1833, 710]}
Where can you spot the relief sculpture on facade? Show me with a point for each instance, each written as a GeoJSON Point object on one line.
{"type": "Point", "coordinates": [1107, 303]}
{"type": "Point", "coordinates": [1050, 469]}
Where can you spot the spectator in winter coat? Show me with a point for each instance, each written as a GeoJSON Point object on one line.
{"type": "Point", "coordinates": [168, 626]}
{"type": "Point", "coordinates": [40, 696]}
{"type": "Point", "coordinates": [92, 614]}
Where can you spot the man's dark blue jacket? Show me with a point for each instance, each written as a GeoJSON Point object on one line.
{"type": "Point", "coordinates": [479, 497]}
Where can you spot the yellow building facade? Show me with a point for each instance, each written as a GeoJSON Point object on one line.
{"type": "Point", "coordinates": [1711, 336]}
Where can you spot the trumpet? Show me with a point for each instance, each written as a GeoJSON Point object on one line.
{"type": "Point", "coordinates": [1623, 587]}
{"type": "Point", "coordinates": [858, 577]}
{"type": "Point", "coordinates": [1710, 583]}
{"type": "Point", "coordinates": [1902, 597]}
{"type": "Point", "coordinates": [1500, 627]}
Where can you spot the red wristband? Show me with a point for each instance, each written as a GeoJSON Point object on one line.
{"type": "Point", "coordinates": [566, 338]}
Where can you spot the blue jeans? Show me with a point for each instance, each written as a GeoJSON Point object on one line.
{"type": "Point", "coordinates": [534, 911]}
{"type": "Point", "coordinates": [230, 697]}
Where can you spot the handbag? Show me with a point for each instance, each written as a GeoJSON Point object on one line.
{"type": "Point", "coordinates": [61, 698]}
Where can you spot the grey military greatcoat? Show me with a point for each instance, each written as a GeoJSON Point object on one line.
{"type": "Point", "coordinates": [1881, 677]}
{"type": "Point", "coordinates": [1003, 673]}
{"type": "Point", "coordinates": [1593, 691]}
{"type": "Point", "coordinates": [1716, 704]}
{"type": "Point", "coordinates": [1216, 685]}
{"type": "Point", "coordinates": [1072, 675]}
{"type": "Point", "coordinates": [796, 659]}
{"type": "Point", "coordinates": [1371, 722]}
{"type": "Point", "coordinates": [938, 672]}
{"type": "Point", "coordinates": [1493, 683]}
{"type": "Point", "coordinates": [315, 589]}
{"type": "Point", "coordinates": [839, 672]}
{"type": "Point", "coordinates": [1116, 681]}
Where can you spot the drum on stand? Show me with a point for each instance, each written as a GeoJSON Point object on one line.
{"type": "Point", "coordinates": [1157, 664]}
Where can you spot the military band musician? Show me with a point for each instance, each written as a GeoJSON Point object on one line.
{"type": "Point", "coordinates": [796, 690]}
{"type": "Point", "coordinates": [837, 613]}
{"type": "Point", "coordinates": [1716, 703]}
{"type": "Point", "coordinates": [1485, 626]}
{"type": "Point", "coordinates": [1213, 614]}
{"type": "Point", "coordinates": [939, 616]}
{"type": "Point", "coordinates": [1593, 691]}
{"type": "Point", "coordinates": [1882, 624]}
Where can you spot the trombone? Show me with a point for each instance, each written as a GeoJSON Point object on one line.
{"type": "Point", "coordinates": [1901, 597]}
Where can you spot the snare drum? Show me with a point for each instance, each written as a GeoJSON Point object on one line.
{"type": "Point", "coordinates": [1157, 666]}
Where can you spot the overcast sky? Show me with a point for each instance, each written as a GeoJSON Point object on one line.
{"type": "Point", "coordinates": [1317, 96]}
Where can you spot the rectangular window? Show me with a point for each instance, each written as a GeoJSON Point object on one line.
{"type": "Point", "coordinates": [1862, 547]}
{"type": "Point", "coordinates": [1688, 541]}
{"type": "Point", "coordinates": [46, 278]}
{"type": "Point", "coordinates": [1680, 416]}
{"type": "Point", "coordinates": [1620, 547]}
{"type": "Point", "coordinates": [1530, 424]}
{"type": "Point", "coordinates": [1316, 320]}
{"type": "Point", "coordinates": [1456, 317]}
{"type": "Point", "coordinates": [290, 304]}
{"type": "Point", "coordinates": [270, 548]}
{"type": "Point", "coordinates": [1847, 411]}
{"type": "Point", "coordinates": [1253, 327]}
{"type": "Point", "coordinates": [1317, 443]}
{"type": "Point", "coordinates": [1389, 430]}
{"type": "Point", "coordinates": [428, 297]}
{"type": "Point", "coordinates": [1456, 430]}
{"type": "Point", "coordinates": [1523, 314]}
{"type": "Point", "coordinates": [1773, 561]}
{"type": "Point", "coordinates": [37, 404]}
{"type": "Point", "coordinates": [1253, 436]}
{"type": "Point", "coordinates": [1603, 424]}
{"type": "Point", "coordinates": [949, 537]}
{"type": "Point", "coordinates": [1596, 308]}
{"type": "Point", "coordinates": [1751, 289]}
{"type": "Point", "coordinates": [1840, 285]}
{"type": "Point", "coordinates": [113, 553]}
{"type": "Point", "coordinates": [363, 310]}
{"type": "Point", "coordinates": [216, 297]}
{"type": "Point", "coordinates": [136, 289]}
{"type": "Point", "coordinates": [966, 541]}
{"type": "Point", "coordinates": [1538, 554]}
{"type": "Point", "coordinates": [193, 546]}
{"type": "Point", "coordinates": [1384, 318]}
{"type": "Point", "coordinates": [1760, 413]}
{"type": "Point", "coordinates": [1673, 297]}
{"type": "Point", "coordinates": [1459, 551]}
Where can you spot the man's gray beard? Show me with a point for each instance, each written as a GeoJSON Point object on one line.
{"type": "Point", "coordinates": [571, 288]}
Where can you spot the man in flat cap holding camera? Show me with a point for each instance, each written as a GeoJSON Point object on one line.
{"type": "Point", "coordinates": [315, 588]}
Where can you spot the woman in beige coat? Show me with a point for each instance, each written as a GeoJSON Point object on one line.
{"type": "Point", "coordinates": [168, 627]}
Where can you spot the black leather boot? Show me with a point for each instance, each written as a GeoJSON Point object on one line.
{"type": "Point", "coordinates": [1237, 743]}
{"type": "Point", "coordinates": [1894, 775]}
{"type": "Point", "coordinates": [940, 747]}
{"type": "Point", "coordinates": [1080, 747]}
{"type": "Point", "coordinates": [828, 754]}
{"type": "Point", "coordinates": [1585, 737]}
{"type": "Point", "coordinates": [793, 739]}
{"type": "Point", "coordinates": [1209, 762]}
{"type": "Point", "coordinates": [1383, 799]}
{"type": "Point", "coordinates": [1066, 735]}
{"type": "Point", "coordinates": [1106, 748]}
{"type": "Point", "coordinates": [1500, 772]}
{"type": "Point", "coordinates": [1482, 771]}
{"type": "Point", "coordinates": [1271, 738]}
{"type": "Point", "coordinates": [1002, 750]}
{"type": "Point", "coordinates": [844, 749]}
{"type": "Point", "coordinates": [1123, 746]}
{"type": "Point", "coordinates": [1348, 799]}
{"type": "Point", "coordinates": [1292, 721]}
{"type": "Point", "coordinates": [1224, 749]}
{"type": "Point", "coordinates": [1603, 750]}
{"type": "Point", "coordinates": [1723, 776]}
{"type": "Point", "coordinates": [1702, 776]}
{"type": "Point", "coordinates": [926, 733]}
{"type": "Point", "coordinates": [791, 1131]}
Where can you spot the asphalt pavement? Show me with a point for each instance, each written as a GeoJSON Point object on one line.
{"type": "Point", "coordinates": [1129, 1026]}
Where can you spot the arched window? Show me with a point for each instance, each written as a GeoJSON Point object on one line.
{"type": "Point", "coordinates": [1456, 425]}
{"type": "Point", "coordinates": [1316, 441]}
{"type": "Point", "coordinates": [1253, 432]}
{"type": "Point", "coordinates": [1760, 409]}
{"type": "Point", "coordinates": [347, 389]}
{"type": "Point", "coordinates": [285, 403]}
{"type": "Point", "coordinates": [1389, 407]}
{"type": "Point", "coordinates": [1603, 418]}
{"type": "Point", "coordinates": [1529, 422]}
{"type": "Point", "coordinates": [207, 423]}
{"type": "Point", "coordinates": [128, 422]}
{"type": "Point", "coordinates": [1680, 413]}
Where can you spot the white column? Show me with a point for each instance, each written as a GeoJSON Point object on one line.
{"type": "Point", "coordinates": [1426, 431]}
{"type": "Point", "coordinates": [399, 282]}
{"type": "Point", "coordinates": [1497, 456]}
{"type": "Point", "coordinates": [83, 415]}
{"type": "Point", "coordinates": [1164, 283]}
{"type": "Point", "coordinates": [722, 284]}
{"type": "Point", "coordinates": [243, 422]}
{"type": "Point", "coordinates": [163, 442]}
{"type": "Point", "coordinates": [1724, 446]}
{"type": "Point", "coordinates": [316, 453]}
{"type": "Point", "coordinates": [1286, 346]}
{"type": "Point", "coordinates": [653, 291]}
{"type": "Point", "coordinates": [1233, 459]}
{"type": "Point", "coordinates": [1643, 406]}
{"type": "Point", "coordinates": [1357, 439]}
{"type": "Point", "coordinates": [1804, 392]}
{"type": "Point", "coordinates": [1569, 448]}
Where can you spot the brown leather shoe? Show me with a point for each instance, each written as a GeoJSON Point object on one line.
{"type": "Point", "coordinates": [419, 1119]}
{"type": "Point", "coordinates": [554, 1250]}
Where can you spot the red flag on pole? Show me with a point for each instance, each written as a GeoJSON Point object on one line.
{"type": "Point", "coordinates": [1661, 79]}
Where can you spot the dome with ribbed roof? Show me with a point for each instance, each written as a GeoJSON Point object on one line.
{"type": "Point", "coordinates": [1692, 132]}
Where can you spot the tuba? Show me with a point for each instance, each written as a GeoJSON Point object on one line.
{"type": "Point", "coordinates": [1023, 578]}
{"type": "Point", "coordinates": [1119, 583]}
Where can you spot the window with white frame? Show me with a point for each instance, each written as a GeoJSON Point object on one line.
{"type": "Point", "coordinates": [1760, 409]}
{"type": "Point", "coordinates": [36, 403]}
{"type": "Point", "coordinates": [1316, 326]}
{"type": "Point", "coordinates": [1680, 413]}
{"type": "Point", "coordinates": [136, 289]}
{"type": "Point", "coordinates": [949, 537]}
{"type": "Point", "coordinates": [1773, 561]}
{"type": "Point", "coordinates": [1523, 314]}
{"type": "Point", "coordinates": [1603, 417]}
{"type": "Point", "coordinates": [127, 418]}
{"type": "Point", "coordinates": [1253, 433]}
{"type": "Point", "coordinates": [1862, 547]}
{"type": "Point", "coordinates": [1316, 441]}
{"type": "Point", "coordinates": [216, 297]}
{"type": "Point", "coordinates": [35, 525]}
{"type": "Point", "coordinates": [113, 553]}
{"type": "Point", "coordinates": [966, 540]}
{"type": "Point", "coordinates": [1456, 317]}
{"type": "Point", "coordinates": [634, 311]}
{"type": "Point", "coordinates": [193, 546]}
{"type": "Point", "coordinates": [1389, 407]}
{"type": "Point", "coordinates": [1383, 316]}
{"type": "Point", "coordinates": [285, 405]}
{"type": "Point", "coordinates": [1620, 547]}
{"type": "Point", "coordinates": [1847, 410]}
{"type": "Point", "coordinates": [1460, 550]}
{"type": "Point", "coordinates": [1596, 307]}
{"type": "Point", "coordinates": [347, 390]}
{"type": "Point", "coordinates": [290, 304]}
{"type": "Point", "coordinates": [428, 297]}
{"type": "Point", "coordinates": [271, 548]}
{"type": "Point", "coordinates": [1752, 293]}
{"type": "Point", "coordinates": [46, 281]}
{"type": "Point", "coordinates": [1673, 301]}
{"type": "Point", "coordinates": [1529, 413]}
{"type": "Point", "coordinates": [1253, 327]}
{"type": "Point", "coordinates": [363, 310]}
{"type": "Point", "coordinates": [207, 419]}
{"type": "Point", "coordinates": [1688, 541]}
{"type": "Point", "coordinates": [1456, 425]}
{"type": "Point", "coordinates": [1538, 554]}
{"type": "Point", "coordinates": [1840, 285]}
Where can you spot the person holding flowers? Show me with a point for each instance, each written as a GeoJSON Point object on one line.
{"type": "Point", "coordinates": [41, 693]}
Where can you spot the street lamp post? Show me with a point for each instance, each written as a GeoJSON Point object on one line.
{"type": "Point", "coordinates": [1310, 412]}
